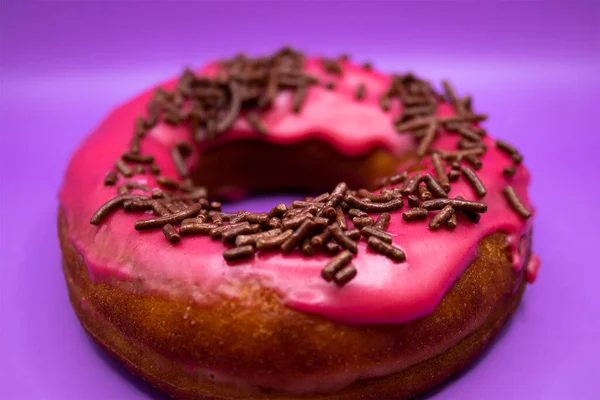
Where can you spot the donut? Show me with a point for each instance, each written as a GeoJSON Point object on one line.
{"type": "Point", "coordinates": [410, 256]}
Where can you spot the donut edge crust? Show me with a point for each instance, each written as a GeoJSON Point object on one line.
{"type": "Point", "coordinates": [157, 337]}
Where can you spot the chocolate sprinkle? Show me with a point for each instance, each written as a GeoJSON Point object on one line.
{"type": "Point", "coordinates": [509, 149]}
{"type": "Point", "coordinates": [376, 197]}
{"type": "Point", "coordinates": [123, 168]}
{"type": "Point", "coordinates": [424, 194]}
{"type": "Point", "coordinates": [413, 201]}
{"type": "Point", "coordinates": [414, 124]}
{"type": "Point", "coordinates": [360, 222]}
{"type": "Point", "coordinates": [153, 223]}
{"type": "Point", "coordinates": [515, 202]}
{"type": "Point", "coordinates": [111, 178]}
{"type": "Point", "coordinates": [340, 218]}
{"type": "Point", "coordinates": [369, 231]}
{"type": "Point", "coordinates": [159, 208]}
{"type": "Point", "coordinates": [453, 175]}
{"type": "Point", "coordinates": [411, 184]}
{"type": "Point", "coordinates": [414, 214]}
{"type": "Point", "coordinates": [332, 248]}
{"type": "Point", "coordinates": [451, 222]}
{"type": "Point", "coordinates": [462, 118]}
{"type": "Point", "coordinates": [194, 226]}
{"type": "Point", "coordinates": [509, 171]}
{"type": "Point", "coordinates": [373, 208]}
{"type": "Point", "coordinates": [440, 171]}
{"type": "Point", "coordinates": [353, 234]}
{"type": "Point", "coordinates": [137, 158]}
{"type": "Point", "coordinates": [474, 161]}
{"type": "Point", "coordinates": [474, 217]}
{"type": "Point", "coordinates": [341, 239]}
{"type": "Point", "coordinates": [427, 140]}
{"type": "Point", "coordinates": [386, 249]}
{"type": "Point", "coordinates": [328, 212]}
{"type": "Point", "coordinates": [110, 206]}
{"type": "Point", "coordinates": [399, 178]}
{"type": "Point", "coordinates": [422, 110]}
{"type": "Point", "coordinates": [340, 189]}
{"type": "Point", "coordinates": [329, 205]}
{"type": "Point", "coordinates": [134, 145]}
{"type": "Point", "coordinates": [434, 187]}
{"type": "Point", "coordinates": [321, 222]}
{"type": "Point", "coordinates": [438, 204]}
{"type": "Point", "coordinates": [506, 147]}
{"type": "Point", "coordinates": [336, 264]}
{"type": "Point", "coordinates": [307, 248]}
{"type": "Point", "coordinates": [176, 206]}
{"type": "Point", "coordinates": [234, 108]}
{"type": "Point", "coordinates": [320, 239]}
{"type": "Point", "coordinates": [274, 223]}
{"type": "Point", "coordinates": [331, 66]}
{"type": "Point", "coordinates": [139, 169]}
{"type": "Point", "coordinates": [298, 236]}
{"type": "Point", "coordinates": [474, 180]}
{"type": "Point", "coordinates": [167, 182]}
{"type": "Point", "coordinates": [217, 233]}
{"type": "Point", "coordinates": [321, 198]}
{"type": "Point", "coordinates": [345, 275]}
{"type": "Point", "coordinates": [273, 241]}
{"type": "Point", "coordinates": [230, 235]}
{"type": "Point", "coordinates": [441, 217]}
{"type": "Point", "coordinates": [251, 239]}
{"type": "Point", "coordinates": [356, 213]}
{"type": "Point", "coordinates": [171, 234]}
{"type": "Point", "coordinates": [382, 221]}
{"type": "Point", "coordinates": [452, 98]}
{"type": "Point", "coordinates": [238, 253]}
{"type": "Point", "coordinates": [137, 205]}
{"type": "Point", "coordinates": [301, 204]}
{"type": "Point", "coordinates": [361, 91]}
{"type": "Point", "coordinates": [257, 218]}
{"type": "Point", "coordinates": [295, 221]}
{"type": "Point", "coordinates": [155, 169]}
{"type": "Point", "coordinates": [278, 210]}
{"type": "Point", "coordinates": [465, 144]}
{"type": "Point", "coordinates": [468, 134]}
{"type": "Point", "coordinates": [460, 154]}
{"type": "Point", "coordinates": [137, 185]}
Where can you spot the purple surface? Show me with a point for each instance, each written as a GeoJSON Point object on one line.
{"type": "Point", "coordinates": [533, 66]}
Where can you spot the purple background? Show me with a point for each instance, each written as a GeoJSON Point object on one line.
{"type": "Point", "coordinates": [533, 66]}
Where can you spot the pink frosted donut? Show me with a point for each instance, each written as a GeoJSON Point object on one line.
{"type": "Point", "coordinates": [381, 287]}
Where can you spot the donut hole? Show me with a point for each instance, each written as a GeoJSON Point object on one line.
{"type": "Point", "coordinates": [236, 170]}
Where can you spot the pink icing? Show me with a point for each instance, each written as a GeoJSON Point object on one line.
{"type": "Point", "coordinates": [382, 292]}
{"type": "Point", "coordinates": [533, 266]}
